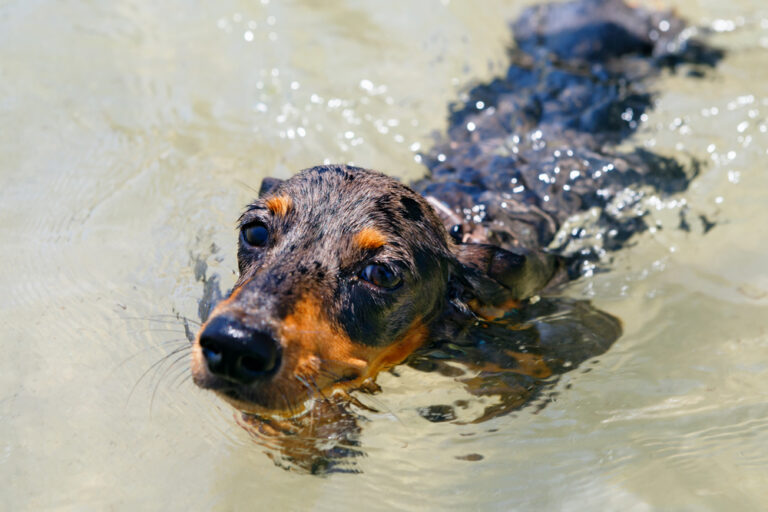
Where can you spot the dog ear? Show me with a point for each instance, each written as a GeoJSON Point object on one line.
{"type": "Point", "coordinates": [492, 280]}
{"type": "Point", "coordinates": [268, 185]}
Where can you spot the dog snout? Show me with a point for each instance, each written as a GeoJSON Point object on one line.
{"type": "Point", "coordinates": [238, 353]}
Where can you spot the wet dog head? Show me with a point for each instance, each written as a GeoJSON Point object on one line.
{"type": "Point", "coordinates": [343, 273]}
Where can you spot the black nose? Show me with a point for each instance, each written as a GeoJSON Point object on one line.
{"type": "Point", "coordinates": [236, 352]}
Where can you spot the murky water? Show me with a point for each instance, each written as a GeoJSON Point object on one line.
{"type": "Point", "coordinates": [132, 133]}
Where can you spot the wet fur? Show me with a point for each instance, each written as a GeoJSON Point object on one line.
{"type": "Point", "coordinates": [474, 241]}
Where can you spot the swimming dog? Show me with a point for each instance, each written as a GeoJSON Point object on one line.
{"type": "Point", "coordinates": [345, 272]}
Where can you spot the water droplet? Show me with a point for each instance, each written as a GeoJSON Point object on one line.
{"type": "Point", "coordinates": [723, 25]}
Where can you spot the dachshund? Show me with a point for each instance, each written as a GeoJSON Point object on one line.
{"type": "Point", "coordinates": [345, 272]}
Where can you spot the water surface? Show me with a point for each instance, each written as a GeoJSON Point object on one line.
{"type": "Point", "coordinates": [131, 134]}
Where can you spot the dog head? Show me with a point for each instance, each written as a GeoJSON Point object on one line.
{"type": "Point", "coordinates": [344, 272]}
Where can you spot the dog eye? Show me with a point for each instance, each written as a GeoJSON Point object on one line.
{"type": "Point", "coordinates": [381, 276]}
{"type": "Point", "coordinates": [255, 234]}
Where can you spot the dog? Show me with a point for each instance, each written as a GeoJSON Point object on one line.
{"type": "Point", "coordinates": [345, 272]}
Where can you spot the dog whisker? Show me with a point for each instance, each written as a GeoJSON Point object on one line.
{"type": "Point", "coordinates": [183, 357]}
{"type": "Point", "coordinates": [156, 364]}
{"type": "Point", "coordinates": [164, 319]}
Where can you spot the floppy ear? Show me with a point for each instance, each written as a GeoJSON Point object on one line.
{"type": "Point", "coordinates": [494, 280]}
{"type": "Point", "coordinates": [267, 185]}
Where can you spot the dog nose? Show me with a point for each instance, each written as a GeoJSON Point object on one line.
{"type": "Point", "coordinates": [236, 352]}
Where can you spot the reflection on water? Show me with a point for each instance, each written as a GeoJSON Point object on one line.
{"type": "Point", "coordinates": [504, 364]}
{"type": "Point", "coordinates": [131, 134]}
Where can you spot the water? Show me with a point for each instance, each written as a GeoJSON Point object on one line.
{"type": "Point", "coordinates": [130, 137]}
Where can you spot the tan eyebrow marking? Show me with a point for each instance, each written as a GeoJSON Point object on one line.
{"type": "Point", "coordinates": [370, 238]}
{"type": "Point", "coordinates": [279, 205]}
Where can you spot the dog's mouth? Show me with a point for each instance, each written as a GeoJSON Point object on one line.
{"type": "Point", "coordinates": [278, 370]}
{"type": "Point", "coordinates": [231, 394]}
{"type": "Point", "coordinates": [246, 401]}
{"type": "Point", "coordinates": [261, 403]}
{"type": "Point", "coordinates": [264, 400]}
{"type": "Point", "coordinates": [285, 392]}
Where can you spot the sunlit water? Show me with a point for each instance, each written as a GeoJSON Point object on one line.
{"type": "Point", "coordinates": [131, 134]}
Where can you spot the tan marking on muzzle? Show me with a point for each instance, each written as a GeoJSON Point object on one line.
{"type": "Point", "coordinates": [314, 348]}
{"type": "Point", "coordinates": [318, 357]}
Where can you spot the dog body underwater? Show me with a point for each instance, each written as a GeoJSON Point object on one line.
{"type": "Point", "coordinates": [345, 272]}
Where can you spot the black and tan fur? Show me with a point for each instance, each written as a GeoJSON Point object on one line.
{"type": "Point", "coordinates": [303, 292]}
{"type": "Point", "coordinates": [309, 314]}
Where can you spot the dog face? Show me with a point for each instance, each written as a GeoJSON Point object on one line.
{"type": "Point", "coordinates": [343, 273]}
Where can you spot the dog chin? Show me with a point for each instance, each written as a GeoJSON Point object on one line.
{"type": "Point", "coordinates": [247, 406]}
{"type": "Point", "coordinates": [280, 411]}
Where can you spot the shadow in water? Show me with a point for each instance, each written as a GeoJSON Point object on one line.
{"type": "Point", "coordinates": [514, 360]}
